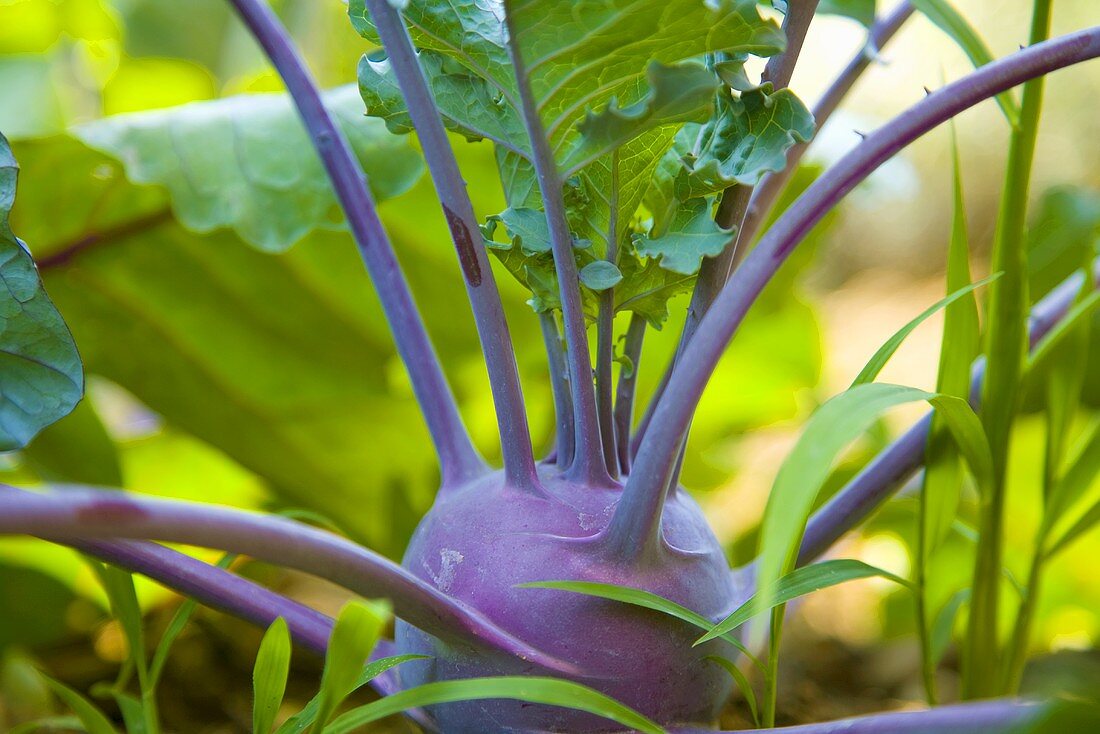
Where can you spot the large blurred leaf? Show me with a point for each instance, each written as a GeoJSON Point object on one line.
{"type": "Point", "coordinates": [41, 378]}
{"type": "Point", "coordinates": [245, 162]}
{"type": "Point", "coordinates": [76, 449]}
{"type": "Point", "coordinates": [282, 362]}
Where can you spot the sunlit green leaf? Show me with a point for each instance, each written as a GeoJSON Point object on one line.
{"type": "Point", "coordinates": [691, 235]}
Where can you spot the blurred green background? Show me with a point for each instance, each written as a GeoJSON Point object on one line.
{"type": "Point", "coordinates": [218, 372]}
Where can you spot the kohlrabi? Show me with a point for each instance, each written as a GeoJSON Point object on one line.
{"type": "Point", "coordinates": [638, 160]}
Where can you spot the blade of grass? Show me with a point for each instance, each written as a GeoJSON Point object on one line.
{"type": "Point", "coordinates": [549, 691]}
{"type": "Point", "coordinates": [356, 632]}
{"type": "Point", "coordinates": [269, 676]}
{"type": "Point", "coordinates": [742, 682]}
{"type": "Point", "coordinates": [94, 720]}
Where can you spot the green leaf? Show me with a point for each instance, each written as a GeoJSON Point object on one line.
{"type": "Point", "coordinates": [527, 227]}
{"type": "Point", "coordinates": [548, 691]}
{"type": "Point", "coordinates": [246, 163]}
{"type": "Point", "coordinates": [944, 625]}
{"type": "Point", "coordinates": [94, 720]}
{"type": "Point", "coordinates": [748, 137]}
{"type": "Point", "coordinates": [354, 636]}
{"type": "Point", "coordinates": [882, 356]}
{"type": "Point", "coordinates": [41, 378]}
{"type": "Point", "coordinates": [1066, 328]}
{"type": "Point", "coordinates": [600, 275]}
{"type": "Point", "coordinates": [269, 676]}
{"type": "Point", "coordinates": [1081, 472]}
{"type": "Point", "coordinates": [680, 93]}
{"type": "Point", "coordinates": [799, 582]}
{"type": "Point", "coordinates": [742, 682]}
{"type": "Point", "coordinates": [862, 11]}
{"type": "Point", "coordinates": [951, 22]}
{"type": "Point", "coordinates": [647, 288]}
{"type": "Point", "coordinates": [76, 449]}
{"type": "Point", "coordinates": [832, 427]}
{"type": "Point", "coordinates": [691, 235]}
{"type": "Point", "coordinates": [304, 719]}
{"type": "Point", "coordinates": [639, 598]}
{"type": "Point", "coordinates": [119, 586]}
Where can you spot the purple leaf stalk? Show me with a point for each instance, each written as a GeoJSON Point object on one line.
{"type": "Point", "coordinates": [457, 593]}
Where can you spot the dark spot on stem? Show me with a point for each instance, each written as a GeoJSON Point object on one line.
{"type": "Point", "coordinates": [110, 512]}
{"type": "Point", "coordinates": [467, 255]}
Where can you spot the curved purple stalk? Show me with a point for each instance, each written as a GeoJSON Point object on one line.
{"type": "Point", "coordinates": [458, 459]}
{"type": "Point", "coordinates": [213, 587]}
{"type": "Point", "coordinates": [588, 462]}
{"type": "Point", "coordinates": [896, 463]}
{"type": "Point", "coordinates": [636, 523]}
{"type": "Point", "coordinates": [990, 717]}
{"type": "Point", "coordinates": [481, 287]}
{"type": "Point", "coordinates": [81, 513]}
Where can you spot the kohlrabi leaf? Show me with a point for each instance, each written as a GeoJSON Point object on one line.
{"type": "Point", "coordinates": [862, 11]}
{"type": "Point", "coordinates": [246, 163]}
{"type": "Point", "coordinates": [882, 356]}
{"type": "Point", "coordinates": [469, 104]}
{"type": "Point", "coordinates": [679, 93]}
{"type": "Point", "coordinates": [647, 288]}
{"type": "Point", "coordinates": [640, 598]}
{"type": "Point", "coordinates": [691, 235]}
{"type": "Point", "coordinates": [800, 582]}
{"type": "Point", "coordinates": [356, 632]}
{"type": "Point", "coordinates": [527, 228]}
{"type": "Point", "coordinates": [529, 689]}
{"type": "Point", "coordinates": [944, 15]}
{"type": "Point", "coordinates": [269, 676]}
{"type": "Point", "coordinates": [600, 275]}
{"type": "Point", "coordinates": [748, 137]}
{"type": "Point", "coordinates": [41, 377]}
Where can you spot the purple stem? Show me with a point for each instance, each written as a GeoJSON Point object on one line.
{"type": "Point", "coordinates": [895, 464]}
{"type": "Point", "coordinates": [990, 717]}
{"type": "Point", "coordinates": [627, 389]}
{"type": "Point", "coordinates": [769, 188]}
{"type": "Point", "coordinates": [77, 512]}
{"type": "Point", "coordinates": [588, 461]}
{"type": "Point", "coordinates": [481, 287]}
{"type": "Point", "coordinates": [565, 440]}
{"type": "Point", "coordinates": [459, 460]}
{"type": "Point", "coordinates": [636, 522]}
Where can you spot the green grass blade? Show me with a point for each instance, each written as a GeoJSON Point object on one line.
{"type": "Point", "coordinates": [944, 624]}
{"type": "Point", "coordinates": [119, 586]}
{"type": "Point", "coordinates": [1079, 314]}
{"type": "Point", "coordinates": [94, 720]}
{"type": "Point", "coordinates": [951, 22]}
{"type": "Point", "coordinates": [797, 583]}
{"type": "Point", "coordinates": [886, 351]}
{"type": "Point", "coordinates": [269, 676]}
{"type": "Point", "coordinates": [304, 719]}
{"type": "Point", "coordinates": [548, 691]}
{"type": "Point", "coordinates": [355, 634]}
{"type": "Point", "coordinates": [644, 599]}
{"type": "Point", "coordinates": [175, 628]}
{"type": "Point", "coordinates": [742, 682]}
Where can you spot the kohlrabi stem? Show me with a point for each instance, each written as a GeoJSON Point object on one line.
{"type": "Point", "coordinates": [565, 436]}
{"type": "Point", "coordinates": [80, 513]}
{"type": "Point", "coordinates": [715, 271]}
{"type": "Point", "coordinates": [481, 287]}
{"type": "Point", "coordinates": [213, 587]}
{"type": "Point", "coordinates": [1006, 349]}
{"type": "Point", "coordinates": [588, 462]}
{"type": "Point", "coordinates": [626, 390]}
{"type": "Point", "coordinates": [849, 507]}
{"type": "Point", "coordinates": [772, 184]}
{"type": "Point", "coordinates": [459, 461]}
{"type": "Point", "coordinates": [605, 336]}
{"type": "Point", "coordinates": [988, 717]}
{"type": "Point", "coordinates": [635, 526]}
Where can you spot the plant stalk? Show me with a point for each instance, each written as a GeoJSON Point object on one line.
{"type": "Point", "coordinates": [459, 460]}
{"type": "Point", "coordinates": [636, 521]}
{"type": "Point", "coordinates": [481, 287]}
{"type": "Point", "coordinates": [1006, 349]}
{"type": "Point", "coordinates": [588, 462]}
{"type": "Point", "coordinates": [627, 389]}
